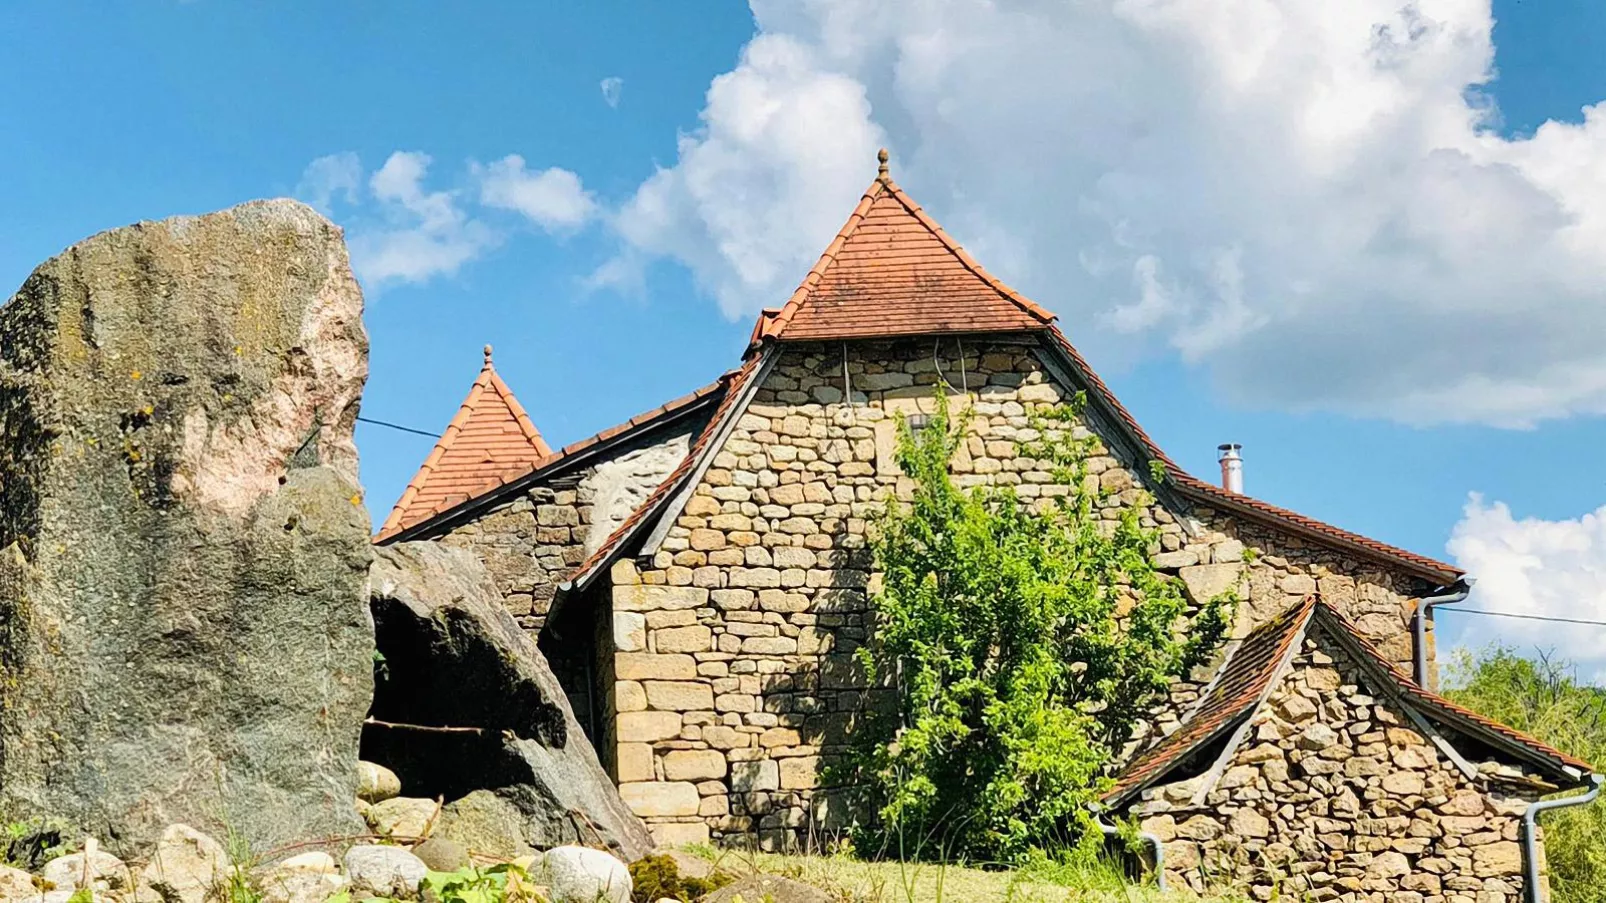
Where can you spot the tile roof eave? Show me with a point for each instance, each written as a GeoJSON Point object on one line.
{"type": "Point", "coordinates": [1146, 770]}
{"type": "Point", "coordinates": [736, 385]}
{"type": "Point", "coordinates": [1158, 761]}
{"type": "Point", "coordinates": [1269, 514]}
{"type": "Point", "coordinates": [554, 462]}
{"type": "Point", "coordinates": [1492, 732]}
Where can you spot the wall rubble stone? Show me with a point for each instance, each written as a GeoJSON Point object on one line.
{"type": "Point", "coordinates": [1342, 797]}
{"type": "Point", "coordinates": [760, 590]}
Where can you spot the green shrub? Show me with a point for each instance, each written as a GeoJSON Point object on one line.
{"type": "Point", "coordinates": [29, 845]}
{"type": "Point", "coordinates": [1543, 698]}
{"type": "Point", "coordinates": [1017, 644]}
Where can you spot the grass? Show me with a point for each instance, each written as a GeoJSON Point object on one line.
{"type": "Point", "coordinates": [859, 881]}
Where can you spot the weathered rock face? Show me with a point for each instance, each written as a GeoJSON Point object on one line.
{"type": "Point", "coordinates": [454, 657]}
{"type": "Point", "coordinates": [183, 549]}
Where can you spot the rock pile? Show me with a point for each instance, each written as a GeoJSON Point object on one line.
{"type": "Point", "coordinates": [188, 866]}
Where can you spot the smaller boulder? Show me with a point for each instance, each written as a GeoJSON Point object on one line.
{"type": "Point", "coordinates": [583, 875]}
{"type": "Point", "coordinates": [300, 887]}
{"type": "Point", "coordinates": [316, 861]}
{"type": "Point", "coordinates": [376, 783]}
{"type": "Point", "coordinates": [16, 884]}
{"type": "Point", "coordinates": [485, 823]}
{"type": "Point", "coordinates": [770, 888]}
{"type": "Point", "coordinates": [186, 866]}
{"type": "Point", "coordinates": [92, 869]}
{"type": "Point", "coordinates": [384, 871]}
{"type": "Point", "coordinates": [403, 816]}
{"type": "Point", "coordinates": [442, 855]}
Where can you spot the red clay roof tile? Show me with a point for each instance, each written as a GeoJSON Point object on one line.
{"type": "Point", "coordinates": [892, 271]}
{"type": "Point", "coordinates": [1243, 681]}
{"type": "Point", "coordinates": [1211, 494]}
{"type": "Point", "coordinates": [489, 435]}
{"type": "Point", "coordinates": [512, 464]}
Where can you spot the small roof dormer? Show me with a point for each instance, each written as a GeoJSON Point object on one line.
{"type": "Point", "coordinates": [490, 441]}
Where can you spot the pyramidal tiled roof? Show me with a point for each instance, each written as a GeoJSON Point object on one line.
{"type": "Point", "coordinates": [489, 441]}
{"type": "Point", "coordinates": [892, 271]}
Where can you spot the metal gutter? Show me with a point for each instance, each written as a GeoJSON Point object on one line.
{"type": "Point", "coordinates": [1458, 592]}
{"type": "Point", "coordinates": [1530, 835]}
{"type": "Point", "coordinates": [1154, 844]}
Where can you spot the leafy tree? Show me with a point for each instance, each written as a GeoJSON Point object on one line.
{"type": "Point", "coordinates": [1543, 698]}
{"type": "Point", "coordinates": [1017, 641]}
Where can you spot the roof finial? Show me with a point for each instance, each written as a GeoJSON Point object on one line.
{"type": "Point", "coordinates": [882, 157]}
{"type": "Point", "coordinates": [487, 355]}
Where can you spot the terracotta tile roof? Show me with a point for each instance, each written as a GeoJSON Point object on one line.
{"type": "Point", "coordinates": [1211, 494]}
{"type": "Point", "coordinates": [735, 381]}
{"type": "Point", "coordinates": [1243, 681]}
{"type": "Point", "coordinates": [490, 437]}
{"type": "Point", "coordinates": [892, 271]}
{"type": "Point", "coordinates": [1246, 679]}
{"type": "Point", "coordinates": [517, 471]}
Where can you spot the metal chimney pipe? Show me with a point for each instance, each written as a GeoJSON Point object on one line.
{"type": "Point", "coordinates": [1232, 467]}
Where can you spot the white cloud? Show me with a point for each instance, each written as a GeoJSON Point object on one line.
{"type": "Point", "coordinates": [328, 176]}
{"type": "Point", "coordinates": [612, 87]}
{"type": "Point", "coordinates": [759, 190]}
{"type": "Point", "coordinates": [552, 198]}
{"type": "Point", "coordinates": [1304, 199]}
{"type": "Point", "coordinates": [1535, 567]}
{"type": "Point", "coordinates": [424, 233]}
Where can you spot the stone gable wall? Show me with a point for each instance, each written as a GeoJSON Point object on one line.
{"type": "Point", "coordinates": [532, 540]}
{"type": "Point", "coordinates": [1333, 794]}
{"type": "Point", "coordinates": [734, 665]}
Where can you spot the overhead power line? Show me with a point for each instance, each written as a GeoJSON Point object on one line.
{"type": "Point", "coordinates": [1466, 611]}
{"type": "Point", "coordinates": [1512, 614]}
{"type": "Point", "coordinates": [397, 426]}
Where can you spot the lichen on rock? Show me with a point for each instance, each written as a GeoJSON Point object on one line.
{"type": "Point", "coordinates": [183, 548]}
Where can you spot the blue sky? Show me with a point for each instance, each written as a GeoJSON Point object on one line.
{"type": "Point", "coordinates": [1317, 252]}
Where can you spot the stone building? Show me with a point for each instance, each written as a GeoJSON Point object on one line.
{"type": "Point", "coordinates": [700, 575]}
{"type": "Point", "coordinates": [1313, 768]}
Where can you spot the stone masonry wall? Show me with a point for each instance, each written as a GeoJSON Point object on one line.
{"type": "Point", "coordinates": [734, 666]}
{"type": "Point", "coordinates": [1333, 795]}
{"type": "Point", "coordinates": [531, 541]}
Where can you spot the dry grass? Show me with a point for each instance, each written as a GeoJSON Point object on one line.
{"type": "Point", "coordinates": [858, 881]}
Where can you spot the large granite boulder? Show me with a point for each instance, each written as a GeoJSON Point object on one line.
{"type": "Point", "coordinates": [452, 657]}
{"type": "Point", "coordinates": [184, 630]}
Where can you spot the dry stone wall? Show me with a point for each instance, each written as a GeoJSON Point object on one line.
{"type": "Point", "coordinates": [734, 641]}
{"type": "Point", "coordinates": [1334, 794]}
{"type": "Point", "coordinates": [531, 540]}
